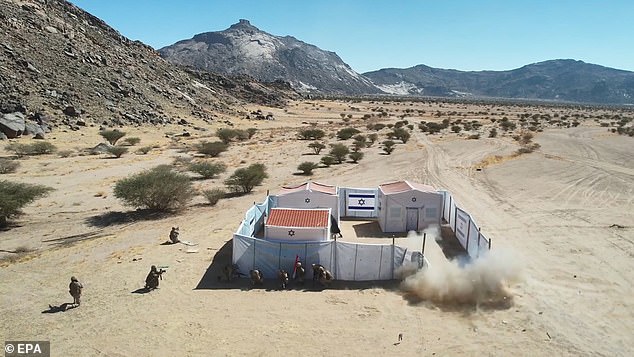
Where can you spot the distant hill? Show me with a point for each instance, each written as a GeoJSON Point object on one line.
{"type": "Point", "coordinates": [558, 80]}
{"type": "Point", "coordinates": [59, 61]}
{"type": "Point", "coordinates": [244, 49]}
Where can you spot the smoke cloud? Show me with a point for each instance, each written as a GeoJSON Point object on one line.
{"type": "Point", "coordinates": [481, 282]}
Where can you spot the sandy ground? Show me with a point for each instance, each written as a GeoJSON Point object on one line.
{"type": "Point", "coordinates": [554, 209]}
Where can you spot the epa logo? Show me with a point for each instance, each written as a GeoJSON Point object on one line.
{"type": "Point", "coordinates": [27, 348]}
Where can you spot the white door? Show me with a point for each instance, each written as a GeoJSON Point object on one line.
{"type": "Point", "coordinates": [412, 219]}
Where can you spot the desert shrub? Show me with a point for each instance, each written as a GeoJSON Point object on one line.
{"type": "Point", "coordinates": [117, 151]}
{"type": "Point", "coordinates": [65, 153]}
{"type": "Point", "coordinates": [243, 180]}
{"type": "Point", "coordinates": [347, 133]}
{"type": "Point", "coordinates": [474, 136]}
{"type": "Point", "coordinates": [144, 150]}
{"type": "Point", "coordinates": [214, 195]}
{"type": "Point", "coordinates": [226, 134]}
{"type": "Point", "coordinates": [356, 156]}
{"type": "Point", "coordinates": [507, 125]}
{"type": "Point", "coordinates": [317, 147]}
{"type": "Point", "coordinates": [339, 152]}
{"type": "Point", "coordinates": [388, 146]}
{"type": "Point", "coordinates": [112, 136]}
{"type": "Point", "coordinates": [456, 128]}
{"type": "Point", "coordinates": [525, 149]}
{"type": "Point", "coordinates": [358, 145]}
{"type": "Point", "coordinates": [372, 138]}
{"type": "Point", "coordinates": [307, 167]}
{"type": "Point", "coordinates": [8, 166]}
{"type": "Point", "coordinates": [493, 133]}
{"type": "Point", "coordinates": [37, 148]}
{"type": "Point", "coordinates": [212, 148]}
{"type": "Point", "coordinates": [378, 126]}
{"type": "Point", "coordinates": [131, 141]}
{"type": "Point", "coordinates": [311, 134]}
{"type": "Point", "coordinates": [328, 160]}
{"type": "Point", "coordinates": [400, 134]}
{"type": "Point", "coordinates": [206, 169]}
{"type": "Point", "coordinates": [159, 189]}
{"type": "Point", "coordinates": [182, 161]}
{"type": "Point", "coordinates": [15, 195]}
{"type": "Point", "coordinates": [251, 132]}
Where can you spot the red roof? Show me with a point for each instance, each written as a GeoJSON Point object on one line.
{"type": "Point", "coordinates": [309, 186]}
{"type": "Point", "coordinates": [403, 186]}
{"type": "Point", "coordinates": [289, 217]}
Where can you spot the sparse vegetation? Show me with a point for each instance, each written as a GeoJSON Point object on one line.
{"type": "Point", "coordinates": [144, 150]}
{"type": "Point", "coordinates": [493, 133]}
{"type": "Point", "coordinates": [65, 153]}
{"type": "Point", "coordinates": [131, 141]}
{"type": "Point", "coordinates": [206, 169]}
{"type": "Point", "coordinates": [311, 134]}
{"type": "Point", "coordinates": [226, 135]}
{"type": "Point", "coordinates": [356, 156]}
{"type": "Point", "coordinates": [8, 166]}
{"type": "Point", "coordinates": [307, 167]}
{"type": "Point", "coordinates": [388, 146]}
{"type": "Point", "coordinates": [317, 147]}
{"type": "Point", "coordinates": [15, 195]}
{"type": "Point", "coordinates": [214, 195]}
{"type": "Point", "coordinates": [159, 189]}
{"type": "Point", "coordinates": [112, 136]}
{"type": "Point", "coordinates": [117, 151]}
{"type": "Point", "coordinates": [339, 152]}
{"type": "Point", "coordinates": [211, 148]}
{"type": "Point", "coordinates": [243, 180]}
{"type": "Point", "coordinates": [36, 148]}
{"type": "Point", "coordinates": [328, 160]}
{"type": "Point", "coordinates": [347, 133]}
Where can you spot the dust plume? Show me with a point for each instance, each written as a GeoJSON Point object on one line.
{"type": "Point", "coordinates": [481, 282]}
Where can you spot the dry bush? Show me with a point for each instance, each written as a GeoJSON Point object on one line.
{"type": "Point", "coordinates": [214, 195]}
{"type": "Point", "coordinates": [8, 166]}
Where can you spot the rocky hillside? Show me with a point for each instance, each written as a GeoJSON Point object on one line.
{"type": "Point", "coordinates": [244, 49]}
{"type": "Point", "coordinates": [63, 66]}
{"type": "Point", "coordinates": [559, 80]}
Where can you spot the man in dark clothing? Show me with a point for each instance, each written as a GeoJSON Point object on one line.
{"type": "Point", "coordinates": [152, 279]}
{"type": "Point", "coordinates": [74, 288]}
{"type": "Point", "coordinates": [174, 235]}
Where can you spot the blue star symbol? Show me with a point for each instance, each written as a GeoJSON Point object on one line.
{"type": "Point", "coordinates": [291, 233]}
{"type": "Point", "coordinates": [307, 200]}
{"type": "Point", "coordinates": [361, 202]}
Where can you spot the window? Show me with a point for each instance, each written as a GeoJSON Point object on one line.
{"type": "Point", "coordinates": [431, 212]}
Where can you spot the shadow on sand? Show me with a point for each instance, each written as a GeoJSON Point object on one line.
{"type": "Point", "coordinates": [115, 218]}
{"type": "Point", "coordinates": [52, 309]}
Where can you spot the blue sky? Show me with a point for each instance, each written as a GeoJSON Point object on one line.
{"type": "Point", "coordinates": [375, 34]}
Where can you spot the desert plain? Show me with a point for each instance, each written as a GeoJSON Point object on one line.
{"type": "Point", "coordinates": [564, 213]}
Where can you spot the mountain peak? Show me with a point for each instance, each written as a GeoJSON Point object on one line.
{"type": "Point", "coordinates": [243, 24]}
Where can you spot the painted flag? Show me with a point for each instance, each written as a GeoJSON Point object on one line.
{"type": "Point", "coordinates": [361, 201]}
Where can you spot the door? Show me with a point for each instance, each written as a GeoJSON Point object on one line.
{"type": "Point", "coordinates": [412, 219]}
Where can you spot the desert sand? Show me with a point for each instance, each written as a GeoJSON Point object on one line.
{"type": "Point", "coordinates": [565, 213]}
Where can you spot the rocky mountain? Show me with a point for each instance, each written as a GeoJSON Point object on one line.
{"type": "Point", "coordinates": [244, 49]}
{"type": "Point", "coordinates": [63, 66]}
{"type": "Point", "coordinates": [556, 80]}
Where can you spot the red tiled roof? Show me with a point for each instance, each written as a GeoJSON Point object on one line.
{"type": "Point", "coordinates": [309, 186]}
{"type": "Point", "coordinates": [403, 186]}
{"type": "Point", "coordinates": [288, 217]}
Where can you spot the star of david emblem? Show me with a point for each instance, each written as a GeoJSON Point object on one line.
{"type": "Point", "coordinates": [291, 233]}
{"type": "Point", "coordinates": [413, 199]}
{"type": "Point", "coordinates": [307, 200]}
{"type": "Point", "coordinates": [361, 202]}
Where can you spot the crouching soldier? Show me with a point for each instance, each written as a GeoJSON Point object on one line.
{"type": "Point", "coordinates": [74, 288]}
{"type": "Point", "coordinates": [152, 279]}
{"type": "Point", "coordinates": [282, 275]}
{"type": "Point", "coordinates": [256, 277]}
{"type": "Point", "coordinates": [317, 268]}
{"type": "Point", "coordinates": [174, 235]}
{"type": "Point", "coordinates": [325, 277]}
{"type": "Point", "coordinates": [232, 271]}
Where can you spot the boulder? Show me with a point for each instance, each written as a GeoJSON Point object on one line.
{"type": "Point", "coordinates": [71, 111]}
{"type": "Point", "coordinates": [12, 124]}
{"type": "Point", "coordinates": [32, 128]}
{"type": "Point", "coordinates": [2, 136]}
{"type": "Point", "coordinates": [101, 148]}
